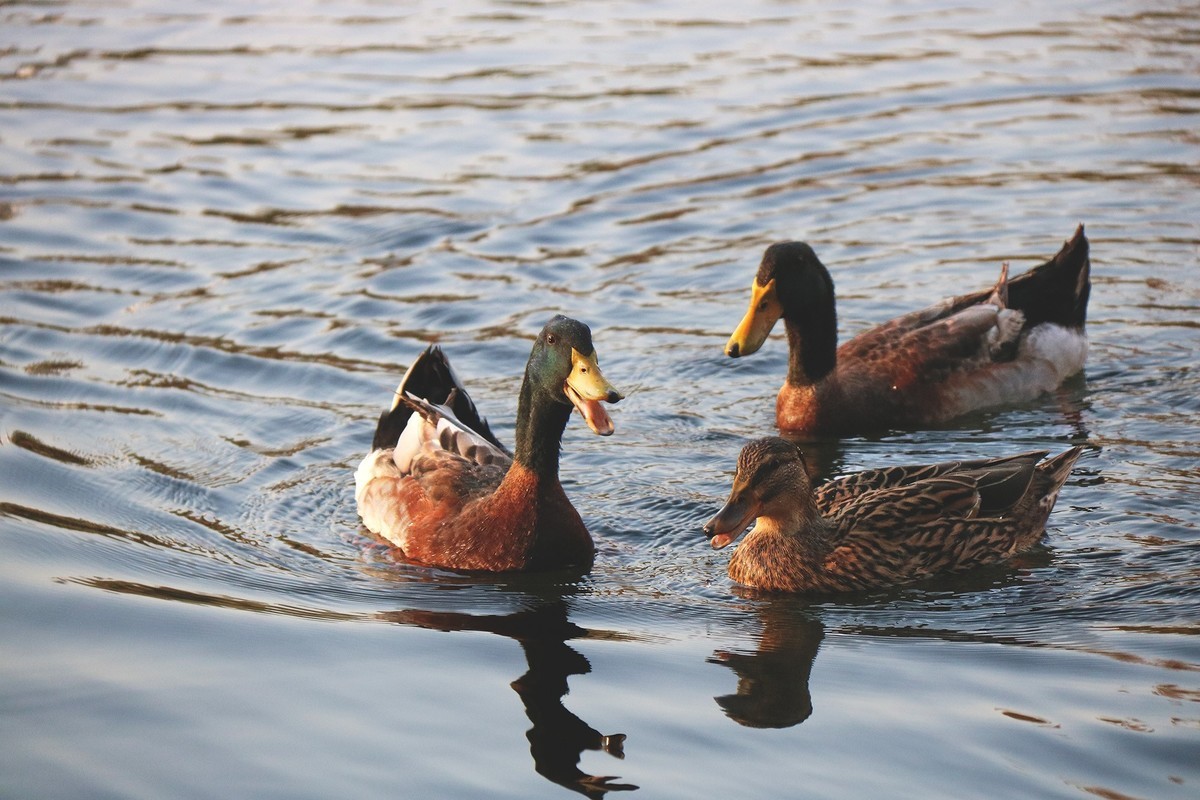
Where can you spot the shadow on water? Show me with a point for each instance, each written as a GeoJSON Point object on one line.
{"type": "Point", "coordinates": [773, 677]}
{"type": "Point", "coordinates": [542, 627]}
{"type": "Point", "coordinates": [823, 458]}
{"type": "Point", "coordinates": [558, 737]}
{"type": "Point", "coordinates": [772, 688]}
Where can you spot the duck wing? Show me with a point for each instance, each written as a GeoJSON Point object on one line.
{"type": "Point", "coordinates": [1056, 292]}
{"type": "Point", "coordinates": [437, 466]}
{"type": "Point", "coordinates": [431, 378]}
{"type": "Point", "coordinates": [894, 535]}
{"type": "Point", "coordinates": [835, 494]}
{"type": "Point", "coordinates": [893, 510]}
{"type": "Point", "coordinates": [926, 348]}
{"type": "Point", "coordinates": [964, 518]}
{"type": "Point", "coordinates": [432, 453]}
{"type": "Point", "coordinates": [435, 436]}
{"type": "Point", "coordinates": [980, 329]}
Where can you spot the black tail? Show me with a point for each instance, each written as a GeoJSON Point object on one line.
{"type": "Point", "coordinates": [1058, 290]}
{"type": "Point", "coordinates": [429, 378]}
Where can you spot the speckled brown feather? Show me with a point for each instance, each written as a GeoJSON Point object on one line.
{"type": "Point", "coordinates": [888, 527]}
{"type": "Point", "coordinates": [833, 494]}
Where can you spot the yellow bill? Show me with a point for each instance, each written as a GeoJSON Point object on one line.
{"type": "Point", "coordinates": [586, 388]}
{"type": "Point", "coordinates": [761, 317]}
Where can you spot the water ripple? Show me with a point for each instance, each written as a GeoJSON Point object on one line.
{"type": "Point", "coordinates": [227, 231]}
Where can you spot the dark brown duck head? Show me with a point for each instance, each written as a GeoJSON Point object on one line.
{"type": "Point", "coordinates": [793, 285]}
{"type": "Point", "coordinates": [771, 484]}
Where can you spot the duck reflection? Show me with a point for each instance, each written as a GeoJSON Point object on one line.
{"type": "Point", "coordinates": [558, 737]}
{"type": "Point", "coordinates": [772, 689]}
{"type": "Point", "coordinates": [823, 458]}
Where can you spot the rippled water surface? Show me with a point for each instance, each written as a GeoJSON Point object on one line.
{"type": "Point", "coordinates": [227, 228]}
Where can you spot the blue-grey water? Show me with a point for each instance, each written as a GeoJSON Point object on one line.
{"type": "Point", "coordinates": [227, 228]}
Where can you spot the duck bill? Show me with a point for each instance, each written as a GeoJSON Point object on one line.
{"type": "Point", "coordinates": [587, 388]}
{"type": "Point", "coordinates": [733, 518]}
{"type": "Point", "coordinates": [761, 317]}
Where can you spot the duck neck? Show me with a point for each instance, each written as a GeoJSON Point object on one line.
{"type": "Point", "coordinates": [812, 347]}
{"type": "Point", "coordinates": [810, 315]}
{"type": "Point", "coordinates": [540, 424]}
{"type": "Point", "coordinates": [802, 525]}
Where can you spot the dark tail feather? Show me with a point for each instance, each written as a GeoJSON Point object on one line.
{"type": "Point", "coordinates": [1050, 476]}
{"type": "Point", "coordinates": [1035, 508]}
{"type": "Point", "coordinates": [430, 378]}
{"type": "Point", "coordinates": [1058, 290]}
{"type": "Point", "coordinates": [1053, 472]}
{"type": "Point", "coordinates": [390, 426]}
{"type": "Point", "coordinates": [1001, 487]}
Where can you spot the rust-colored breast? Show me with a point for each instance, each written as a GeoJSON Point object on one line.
{"type": "Point", "coordinates": [522, 525]}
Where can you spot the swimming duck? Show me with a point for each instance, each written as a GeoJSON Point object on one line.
{"type": "Point", "coordinates": [1006, 344]}
{"type": "Point", "coordinates": [883, 527]}
{"type": "Point", "coordinates": [440, 486]}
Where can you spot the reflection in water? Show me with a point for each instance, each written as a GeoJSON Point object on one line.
{"type": "Point", "coordinates": [823, 458]}
{"type": "Point", "coordinates": [558, 737]}
{"type": "Point", "coordinates": [225, 230]}
{"type": "Point", "coordinates": [177, 595]}
{"type": "Point", "coordinates": [772, 690]}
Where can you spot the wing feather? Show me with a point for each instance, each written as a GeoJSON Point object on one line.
{"type": "Point", "coordinates": [893, 510]}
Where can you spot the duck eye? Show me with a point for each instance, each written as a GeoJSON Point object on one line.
{"type": "Point", "coordinates": [551, 338]}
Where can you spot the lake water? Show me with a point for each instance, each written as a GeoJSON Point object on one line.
{"type": "Point", "coordinates": [227, 228]}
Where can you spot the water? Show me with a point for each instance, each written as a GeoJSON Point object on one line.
{"type": "Point", "coordinates": [226, 229]}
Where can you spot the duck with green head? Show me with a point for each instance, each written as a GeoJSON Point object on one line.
{"type": "Point", "coordinates": [439, 485]}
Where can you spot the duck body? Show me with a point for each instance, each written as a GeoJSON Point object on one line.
{"type": "Point", "coordinates": [1007, 344]}
{"type": "Point", "coordinates": [880, 528]}
{"type": "Point", "coordinates": [438, 484]}
{"type": "Point", "coordinates": [451, 511]}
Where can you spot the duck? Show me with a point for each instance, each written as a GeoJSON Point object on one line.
{"type": "Point", "coordinates": [440, 486]}
{"type": "Point", "coordinates": [881, 528]}
{"type": "Point", "coordinates": [1006, 344]}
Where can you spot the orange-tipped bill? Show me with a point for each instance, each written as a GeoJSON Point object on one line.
{"type": "Point", "coordinates": [733, 518]}
{"type": "Point", "coordinates": [587, 388]}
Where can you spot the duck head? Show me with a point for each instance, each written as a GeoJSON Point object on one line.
{"type": "Point", "coordinates": [791, 283]}
{"type": "Point", "coordinates": [771, 482]}
{"type": "Point", "coordinates": [564, 365]}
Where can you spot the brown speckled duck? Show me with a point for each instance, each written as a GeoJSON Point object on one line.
{"type": "Point", "coordinates": [883, 527]}
{"type": "Point", "coordinates": [1006, 344]}
{"type": "Point", "coordinates": [440, 486]}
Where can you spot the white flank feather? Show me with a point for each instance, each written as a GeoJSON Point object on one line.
{"type": "Point", "coordinates": [1048, 355]}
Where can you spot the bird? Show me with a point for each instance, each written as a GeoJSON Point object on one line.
{"type": "Point", "coordinates": [881, 528]}
{"type": "Point", "coordinates": [1007, 344]}
{"type": "Point", "coordinates": [440, 486]}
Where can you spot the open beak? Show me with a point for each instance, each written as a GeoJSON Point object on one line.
{"type": "Point", "coordinates": [733, 518]}
{"type": "Point", "coordinates": [761, 317]}
{"type": "Point", "coordinates": [586, 388]}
